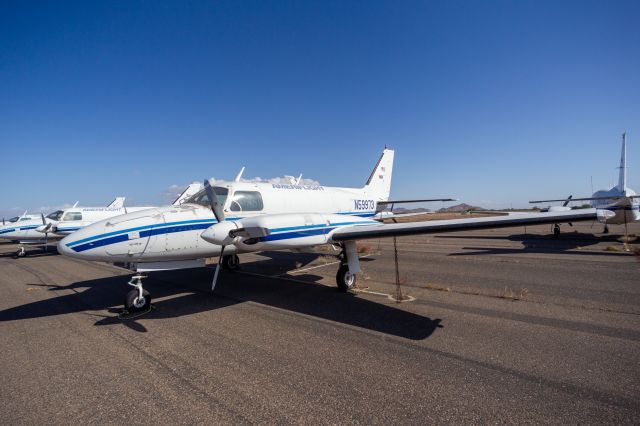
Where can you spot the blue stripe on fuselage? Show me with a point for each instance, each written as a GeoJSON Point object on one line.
{"type": "Point", "coordinates": [190, 225]}
{"type": "Point", "coordinates": [140, 228]}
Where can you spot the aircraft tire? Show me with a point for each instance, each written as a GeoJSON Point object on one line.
{"type": "Point", "coordinates": [132, 304]}
{"type": "Point", "coordinates": [231, 262]}
{"type": "Point", "coordinates": [556, 231]}
{"type": "Point", "coordinates": [345, 280]}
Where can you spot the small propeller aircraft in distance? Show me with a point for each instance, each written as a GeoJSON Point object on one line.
{"type": "Point", "coordinates": [620, 199]}
{"type": "Point", "coordinates": [40, 229]}
{"type": "Point", "coordinates": [242, 217]}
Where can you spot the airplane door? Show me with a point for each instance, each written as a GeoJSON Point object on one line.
{"type": "Point", "coordinates": [138, 238]}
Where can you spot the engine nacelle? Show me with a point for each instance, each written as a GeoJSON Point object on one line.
{"type": "Point", "coordinates": [279, 231]}
{"type": "Point", "coordinates": [221, 233]}
{"type": "Point", "coordinates": [604, 215]}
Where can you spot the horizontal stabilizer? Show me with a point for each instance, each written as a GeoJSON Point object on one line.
{"type": "Point", "coordinates": [415, 201]}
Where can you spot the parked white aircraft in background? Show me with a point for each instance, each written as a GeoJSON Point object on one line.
{"type": "Point", "coordinates": [242, 217]}
{"type": "Point", "coordinates": [620, 200]}
{"type": "Point", "coordinates": [40, 229]}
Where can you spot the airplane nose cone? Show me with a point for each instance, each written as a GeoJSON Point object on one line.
{"type": "Point", "coordinates": [63, 247]}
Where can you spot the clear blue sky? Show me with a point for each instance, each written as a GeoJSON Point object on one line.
{"type": "Point", "coordinates": [492, 102]}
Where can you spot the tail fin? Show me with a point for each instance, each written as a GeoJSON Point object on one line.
{"type": "Point", "coordinates": [622, 177]}
{"type": "Point", "coordinates": [188, 192]}
{"type": "Point", "coordinates": [379, 183]}
{"type": "Point", "coordinates": [117, 203]}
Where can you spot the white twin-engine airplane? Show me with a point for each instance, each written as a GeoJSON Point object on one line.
{"type": "Point", "coordinates": [623, 202]}
{"type": "Point", "coordinates": [242, 217]}
{"type": "Point", "coordinates": [40, 229]}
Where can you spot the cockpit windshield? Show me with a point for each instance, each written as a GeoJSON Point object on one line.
{"type": "Point", "coordinates": [14, 219]}
{"type": "Point", "coordinates": [55, 215]}
{"type": "Point", "coordinates": [202, 199]}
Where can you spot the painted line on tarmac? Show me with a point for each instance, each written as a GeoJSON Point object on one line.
{"type": "Point", "coordinates": [315, 267]}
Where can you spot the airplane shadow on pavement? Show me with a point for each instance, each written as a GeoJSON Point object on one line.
{"type": "Point", "coordinates": [186, 292]}
{"type": "Point", "coordinates": [532, 243]}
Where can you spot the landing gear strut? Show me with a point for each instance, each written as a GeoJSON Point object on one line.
{"type": "Point", "coordinates": [21, 252]}
{"type": "Point", "coordinates": [556, 231]}
{"type": "Point", "coordinates": [231, 262]}
{"type": "Point", "coordinates": [349, 267]}
{"type": "Point", "coordinates": [138, 299]}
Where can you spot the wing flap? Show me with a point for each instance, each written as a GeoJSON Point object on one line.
{"type": "Point", "coordinates": [440, 226]}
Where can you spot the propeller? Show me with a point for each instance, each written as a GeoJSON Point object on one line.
{"type": "Point", "coordinates": [46, 232]}
{"type": "Point", "coordinates": [216, 208]}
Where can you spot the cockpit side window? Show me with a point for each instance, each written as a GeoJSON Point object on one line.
{"type": "Point", "coordinates": [25, 218]}
{"type": "Point", "coordinates": [246, 201]}
{"type": "Point", "coordinates": [70, 216]}
{"type": "Point", "coordinates": [201, 196]}
{"type": "Point", "coordinates": [55, 215]}
{"type": "Point", "coordinates": [14, 219]}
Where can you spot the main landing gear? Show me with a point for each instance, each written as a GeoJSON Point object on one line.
{"type": "Point", "coordinates": [231, 262]}
{"type": "Point", "coordinates": [556, 231]}
{"type": "Point", "coordinates": [138, 299]}
{"type": "Point", "coordinates": [606, 229]}
{"type": "Point", "coordinates": [349, 267]}
{"type": "Point", "coordinates": [21, 252]}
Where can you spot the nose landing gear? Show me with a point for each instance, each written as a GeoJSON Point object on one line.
{"type": "Point", "coordinates": [138, 299]}
{"type": "Point", "coordinates": [556, 231]}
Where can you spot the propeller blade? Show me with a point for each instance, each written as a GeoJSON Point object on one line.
{"type": "Point", "coordinates": [44, 222]}
{"type": "Point", "coordinates": [215, 275]}
{"type": "Point", "coordinates": [216, 207]}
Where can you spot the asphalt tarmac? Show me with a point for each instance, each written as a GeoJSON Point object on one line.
{"type": "Point", "coordinates": [504, 326]}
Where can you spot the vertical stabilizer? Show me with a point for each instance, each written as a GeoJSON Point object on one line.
{"type": "Point", "coordinates": [379, 183]}
{"type": "Point", "coordinates": [118, 203]}
{"type": "Point", "coordinates": [189, 191]}
{"type": "Point", "coordinates": [622, 177]}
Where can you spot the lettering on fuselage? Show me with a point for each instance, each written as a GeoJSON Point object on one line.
{"type": "Point", "coordinates": [299, 187]}
{"type": "Point", "coordinates": [364, 205]}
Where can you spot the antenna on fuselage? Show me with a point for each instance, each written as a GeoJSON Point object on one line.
{"type": "Point", "coordinates": [299, 179]}
{"type": "Point", "coordinates": [75, 204]}
{"type": "Point", "coordinates": [237, 179]}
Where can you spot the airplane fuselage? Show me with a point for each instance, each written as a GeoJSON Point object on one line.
{"type": "Point", "coordinates": [173, 232]}
{"type": "Point", "coordinates": [626, 210]}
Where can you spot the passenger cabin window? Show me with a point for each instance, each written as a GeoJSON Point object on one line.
{"type": "Point", "coordinates": [246, 201]}
{"type": "Point", "coordinates": [202, 199]}
{"type": "Point", "coordinates": [25, 218]}
{"type": "Point", "coordinates": [55, 215]}
{"type": "Point", "coordinates": [69, 216]}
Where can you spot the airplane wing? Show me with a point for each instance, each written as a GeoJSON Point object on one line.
{"type": "Point", "coordinates": [440, 226]}
{"type": "Point", "coordinates": [613, 197]}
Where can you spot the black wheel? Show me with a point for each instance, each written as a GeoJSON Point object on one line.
{"type": "Point", "coordinates": [606, 230]}
{"type": "Point", "coordinates": [345, 280]}
{"type": "Point", "coordinates": [133, 303]}
{"type": "Point", "coordinates": [21, 253]}
{"type": "Point", "coordinates": [231, 262]}
{"type": "Point", "coordinates": [556, 231]}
